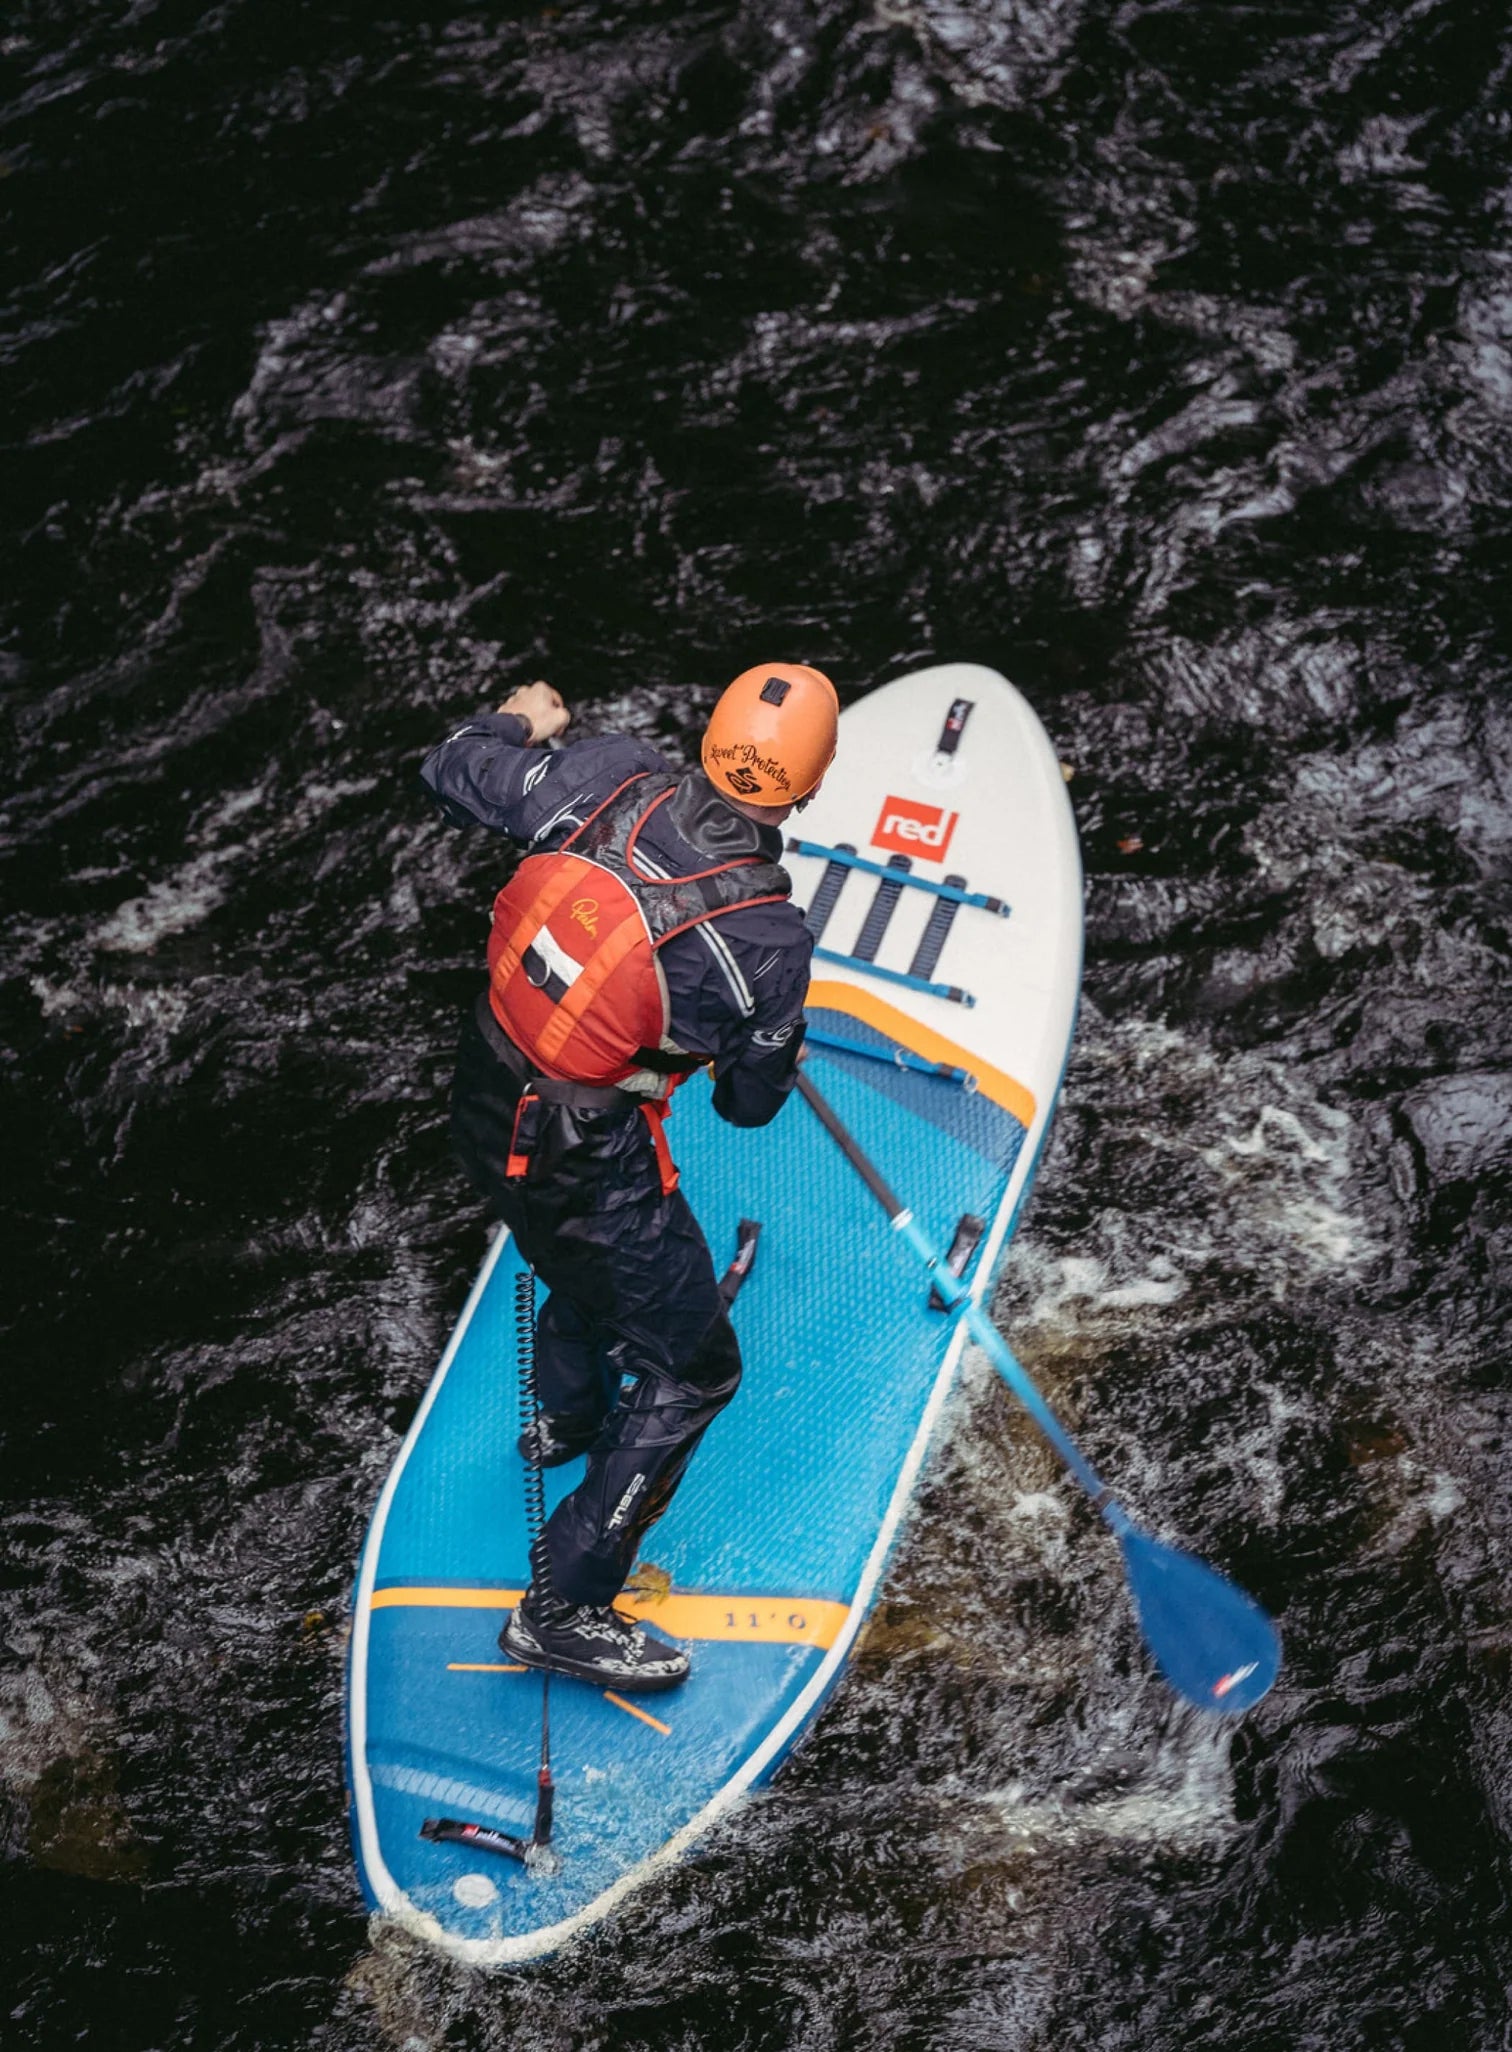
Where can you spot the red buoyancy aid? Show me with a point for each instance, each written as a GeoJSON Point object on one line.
{"type": "Point", "coordinates": [573, 976]}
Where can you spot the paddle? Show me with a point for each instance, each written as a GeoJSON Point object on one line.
{"type": "Point", "coordinates": [1214, 1645]}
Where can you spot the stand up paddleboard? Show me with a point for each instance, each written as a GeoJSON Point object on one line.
{"type": "Point", "coordinates": [941, 873]}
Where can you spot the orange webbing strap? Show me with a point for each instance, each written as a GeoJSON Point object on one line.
{"type": "Point", "coordinates": [634, 836]}
{"type": "Point", "coordinates": [666, 1166]}
{"type": "Point", "coordinates": [518, 1161]}
{"type": "Point", "coordinates": [577, 832]}
{"type": "Point", "coordinates": [718, 911]}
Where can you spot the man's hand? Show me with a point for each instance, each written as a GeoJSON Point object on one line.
{"type": "Point", "coordinates": [542, 706]}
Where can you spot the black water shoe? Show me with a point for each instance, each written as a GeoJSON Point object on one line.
{"type": "Point", "coordinates": [561, 1439]}
{"type": "Point", "coordinates": [599, 1645]}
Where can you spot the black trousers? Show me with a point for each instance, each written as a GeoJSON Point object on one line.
{"type": "Point", "coordinates": [633, 1339]}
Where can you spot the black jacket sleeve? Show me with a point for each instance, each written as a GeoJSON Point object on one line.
{"type": "Point", "coordinates": [752, 1084]}
{"type": "Point", "coordinates": [487, 774]}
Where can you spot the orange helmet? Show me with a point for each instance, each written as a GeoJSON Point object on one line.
{"type": "Point", "coordinates": [772, 734]}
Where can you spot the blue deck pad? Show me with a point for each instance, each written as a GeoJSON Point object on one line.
{"type": "Point", "coordinates": [784, 1501]}
{"type": "Point", "coordinates": [832, 1285]}
{"type": "Point", "coordinates": [968, 1116]}
{"type": "Point", "coordinates": [622, 1785]}
{"type": "Point", "coordinates": [839, 1343]}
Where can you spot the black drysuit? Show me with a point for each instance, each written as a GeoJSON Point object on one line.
{"type": "Point", "coordinates": [633, 1338]}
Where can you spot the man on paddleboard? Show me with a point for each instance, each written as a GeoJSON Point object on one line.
{"type": "Point", "coordinates": [648, 932]}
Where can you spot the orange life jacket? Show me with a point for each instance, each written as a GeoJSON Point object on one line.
{"type": "Point", "coordinates": [573, 975]}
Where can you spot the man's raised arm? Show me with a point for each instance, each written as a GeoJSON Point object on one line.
{"type": "Point", "coordinates": [485, 772]}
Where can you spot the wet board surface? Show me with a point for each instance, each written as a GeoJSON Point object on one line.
{"type": "Point", "coordinates": [777, 1542]}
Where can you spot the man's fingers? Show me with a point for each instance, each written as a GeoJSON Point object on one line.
{"type": "Point", "coordinates": [543, 705]}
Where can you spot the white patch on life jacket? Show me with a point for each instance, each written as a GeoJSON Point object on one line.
{"type": "Point", "coordinates": [556, 957]}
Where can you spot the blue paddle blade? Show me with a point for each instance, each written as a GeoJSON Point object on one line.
{"type": "Point", "coordinates": [1214, 1645]}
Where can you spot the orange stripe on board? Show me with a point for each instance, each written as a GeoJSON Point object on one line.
{"type": "Point", "coordinates": [920, 1040]}
{"type": "Point", "coordinates": [636, 1711]}
{"type": "Point", "coordinates": [733, 1620]}
{"type": "Point", "coordinates": [445, 1599]}
{"type": "Point", "coordinates": [485, 1667]}
{"type": "Point", "coordinates": [744, 1620]}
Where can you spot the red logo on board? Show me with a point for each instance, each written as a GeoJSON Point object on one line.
{"type": "Point", "coordinates": [909, 828]}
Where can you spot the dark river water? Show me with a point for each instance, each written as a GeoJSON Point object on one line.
{"type": "Point", "coordinates": [362, 362]}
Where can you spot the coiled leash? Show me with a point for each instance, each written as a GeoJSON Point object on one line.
{"type": "Point", "coordinates": [535, 1526]}
{"type": "Point", "coordinates": [534, 1852]}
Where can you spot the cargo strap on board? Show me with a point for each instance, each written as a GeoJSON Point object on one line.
{"type": "Point", "coordinates": [893, 878]}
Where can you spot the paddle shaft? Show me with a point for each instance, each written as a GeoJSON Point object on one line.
{"type": "Point", "coordinates": [958, 1303]}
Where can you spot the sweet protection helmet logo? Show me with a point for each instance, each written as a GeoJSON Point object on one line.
{"type": "Point", "coordinates": [772, 734]}
{"type": "Point", "coordinates": [908, 828]}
